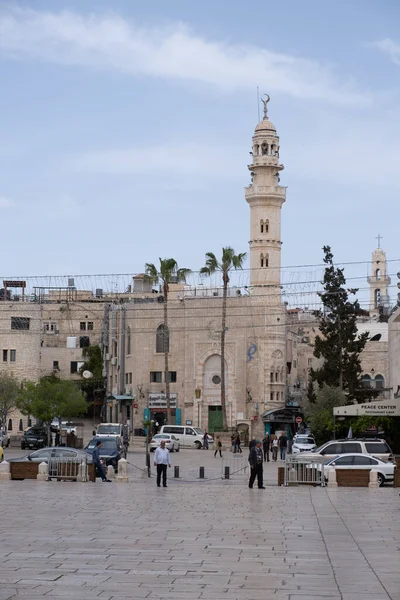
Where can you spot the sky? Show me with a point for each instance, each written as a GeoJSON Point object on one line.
{"type": "Point", "coordinates": [126, 126]}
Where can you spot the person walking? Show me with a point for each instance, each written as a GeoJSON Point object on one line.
{"type": "Point", "coordinates": [256, 466]}
{"type": "Point", "coordinates": [233, 442]}
{"type": "Point", "coordinates": [283, 441]}
{"type": "Point", "coordinates": [218, 448]}
{"type": "Point", "coordinates": [265, 444]}
{"type": "Point", "coordinates": [205, 441]}
{"type": "Point", "coordinates": [238, 442]}
{"type": "Point", "coordinates": [97, 463]}
{"type": "Point", "coordinates": [274, 448]}
{"type": "Point", "coordinates": [162, 460]}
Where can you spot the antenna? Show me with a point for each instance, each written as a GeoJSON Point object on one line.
{"type": "Point", "coordinates": [258, 104]}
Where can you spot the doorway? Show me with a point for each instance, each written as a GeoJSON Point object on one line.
{"type": "Point", "coordinates": [215, 421]}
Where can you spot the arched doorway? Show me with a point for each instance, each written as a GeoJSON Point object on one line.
{"type": "Point", "coordinates": [212, 392]}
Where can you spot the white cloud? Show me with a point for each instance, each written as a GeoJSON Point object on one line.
{"type": "Point", "coordinates": [6, 202]}
{"type": "Point", "coordinates": [390, 48]}
{"type": "Point", "coordinates": [110, 42]}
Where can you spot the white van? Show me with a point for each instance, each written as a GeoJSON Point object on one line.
{"type": "Point", "coordinates": [109, 430]}
{"type": "Point", "coordinates": [188, 437]}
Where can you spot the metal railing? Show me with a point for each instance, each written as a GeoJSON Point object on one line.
{"type": "Point", "coordinates": [72, 469]}
{"type": "Point", "coordinates": [238, 466]}
{"type": "Point", "coordinates": [304, 470]}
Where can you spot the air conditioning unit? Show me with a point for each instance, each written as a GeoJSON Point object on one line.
{"type": "Point", "coordinates": [108, 356]}
{"type": "Point", "coordinates": [114, 361]}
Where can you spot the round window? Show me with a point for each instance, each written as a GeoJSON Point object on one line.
{"type": "Point", "coordinates": [216, 380]}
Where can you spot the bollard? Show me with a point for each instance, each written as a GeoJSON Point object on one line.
{"type": "Point", "coordinates": [176, 472]}
{"type": "Point", "coordinates": [332, 478]}
{"type": "Point", "coordinates": [110, 472]}
{"type": "Point", "coordinates": [82, 471]}
{"type": "Point", "coordinates": [227, 473]}
{"type": "Point", "coordinates": [122, 476]}
{"type": "Point", "coordinates": [373, 479]}
{"type": "Point", "coordinates": [43, 472]}
{"type": "Point", "coordinates": [201, 472]}
{"type": "Point", "coordinates": [5, 474]}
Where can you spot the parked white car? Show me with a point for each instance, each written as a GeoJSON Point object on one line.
{"type": "Point", "coordinates": [361, 461]}
{"type": "Point", "coordinates": [109, 429]}
{"type": "Point", "coordinates": [303, 443]}
{"type": "Point", "coordinates": [170, 442]}
{"type": "Point", "coordinates": [374, 446]}
{"type": "Point", "coordinates": [188, 437]}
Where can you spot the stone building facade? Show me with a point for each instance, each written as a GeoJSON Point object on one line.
{"type": "Point", "coordinates": [39, 338]}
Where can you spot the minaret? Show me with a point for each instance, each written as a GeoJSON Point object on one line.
{"type": "Point", "coordinates": [378, 281]}
{"type": "Point", "coordinates": [265, 197]}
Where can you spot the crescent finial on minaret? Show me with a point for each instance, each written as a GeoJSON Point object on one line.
{"type": "Point", "coordinates": [265, 102]}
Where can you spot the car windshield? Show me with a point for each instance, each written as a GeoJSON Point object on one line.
{"type": "Point", "coordinates": [36, 431]}
{"type": "Point", "coordinates": [329, 460]}
{"type": "Point", "coordinates": [199, 431]}
{"type": "Point", "coordinates": [108, 445]}
{"type": "Point", "coordinates": [318, 449]}
{"type": "Point", "coordinates": [304, 440]}
{"type": "Point", "coordinates": [108, 429]}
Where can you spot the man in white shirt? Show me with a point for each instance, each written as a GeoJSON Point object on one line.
{"type": "Point", "coordinates": [161, 460]}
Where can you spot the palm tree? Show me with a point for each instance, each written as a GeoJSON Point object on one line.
{"type": "Point", "coordinates": [167, 273]}
{"type": "Point", "coordinates": [230, 261]}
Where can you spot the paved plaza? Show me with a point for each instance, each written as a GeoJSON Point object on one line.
{"type": "Point", "coordinates": [197, 539]}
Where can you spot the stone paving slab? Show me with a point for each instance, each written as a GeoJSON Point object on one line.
{"type": "Point", "coordinates": [197, 541]}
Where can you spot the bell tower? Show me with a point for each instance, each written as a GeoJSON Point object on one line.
{"type": "Point", "coordinates": [379, 281]}
{"type": "Point", "coordinates": [265, 197]}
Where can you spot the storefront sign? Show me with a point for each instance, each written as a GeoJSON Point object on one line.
{"type": "Point", "coordinates": [160, 400]}
{"type": "Point", "coordinates": [384, 408]}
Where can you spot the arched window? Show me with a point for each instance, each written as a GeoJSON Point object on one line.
{"type": "Point", "coordinates": [266, 225]}
{"type": "Point", "coordinates": [264, 149]}
{"type": "Point", "coordinates": [29, 422]}
{"type": "Point", "coordinates": [9, 425]}
{"type": "Point", "coordinates": [266, 260]}
{"type": "Point", "coordinates": [377, 298]}
{"type": "Point", "coordinates": [261, 259]}
{"type": "Point", "coordinates": [379, 382]}
{"type": "Point", "coordinates": [256, 151]}
{"type": "Point", "coordinates": [366, 382]}
{"type": "Point", "coordinates": [162, 339]}
{"type": "Point", "coordinates": [21, 425]}
{"type": "Point", "coordinates": [271, 376]}
{"type": "Point", "coordinates": [378, 274]}
{"type": "Point", "coordinates": [128, 340]}
{"type": "Point", "coordinates": [277, 376]}
{"type": "Point", "coordinates": [261, 226]}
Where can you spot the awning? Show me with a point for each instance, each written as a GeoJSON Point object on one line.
{"type": "Point", "coordinates": [280, 415]}
{"type": "Point", "coordinates": [383, 408]}
{"type": "Point", "coordinates": [120, 398]}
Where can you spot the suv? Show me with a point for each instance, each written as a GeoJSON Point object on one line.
{"type": "Point", "coordinates": [34, 437]}
{"type": "Point", "coordinates": [374, 446]}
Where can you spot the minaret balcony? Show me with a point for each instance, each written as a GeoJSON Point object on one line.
{"type": "Point", "coordinates": [265, 190]}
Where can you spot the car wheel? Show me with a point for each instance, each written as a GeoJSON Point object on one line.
{"type": "Point", "coordinates": [22, 446]}
{"type": "Point", "coordinates": [198, 445]}
{"type": "Point", "coordinates": [178, 449]}
{"type": "Point", "coordinates": [381, 479]}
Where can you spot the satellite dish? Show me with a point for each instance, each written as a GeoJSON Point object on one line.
{"type": "Point", "coordinates": [87, 374]}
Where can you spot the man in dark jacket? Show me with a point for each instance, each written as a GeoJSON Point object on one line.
{"type": "Point", "coordinates": [97, 463]}
{"type": "Point", "coordinates": [266, 443]}
{"type": "Point", "coordinates": [256, 466]}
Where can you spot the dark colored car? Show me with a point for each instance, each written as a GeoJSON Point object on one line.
{"type": "Point", "coordinates": [110, 451]}
{"type": "Point", "coordinates": [44, 454]}
{"type": "Point", "coordinates": [34, 437]}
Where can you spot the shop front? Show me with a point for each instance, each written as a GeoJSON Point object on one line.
{"type": "Point", "coordinates": [281, 419]}
{"type": "Point", "coordinates": [156, 410]}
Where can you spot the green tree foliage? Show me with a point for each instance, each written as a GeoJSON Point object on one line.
{"type": "Point", "coordinates": [167, 273]}
{"type": "Point", "coordinates": [10, 390]}
{"type": "Point", "coordinates": [340, 344]}
{"type": "Point", "coordinates": [51, 398]}
{"type": "Point", "coordinates": [229, 262]}
{"type": "Point", "coordinates": [319, 414]}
